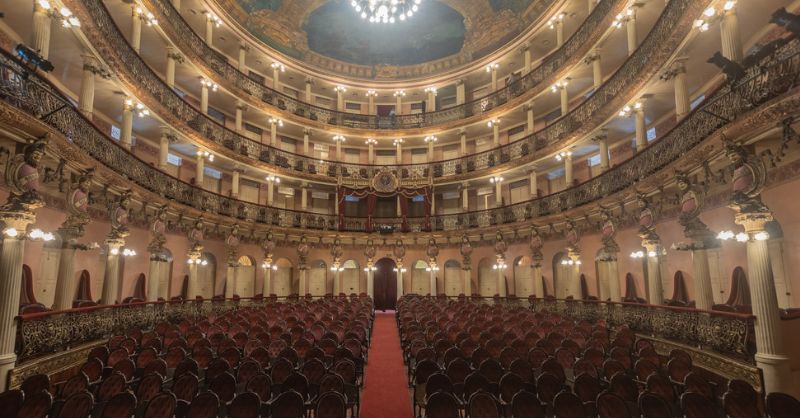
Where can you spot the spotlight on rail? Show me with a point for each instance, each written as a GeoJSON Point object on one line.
{"type": "Point", "coordinates": [33, 59]}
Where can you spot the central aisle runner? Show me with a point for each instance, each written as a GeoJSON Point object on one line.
{"type": "Point", "coordinates": [385, 392]}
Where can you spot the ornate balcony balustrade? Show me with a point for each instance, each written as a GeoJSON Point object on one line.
{"type": "Point", "coordinates": [775, 75]}
{"type": "Point", "coordinates": [50, 332]}
{"type": "Point", "coordinates": [725, 333]}
{"type": "Point", "coordinates": [672, 26]}
{"type": "Point", "coordinates": [570, 52]}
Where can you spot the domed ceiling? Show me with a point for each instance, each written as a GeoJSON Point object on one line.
{"type": "Point", "coordinates": [330, 34]}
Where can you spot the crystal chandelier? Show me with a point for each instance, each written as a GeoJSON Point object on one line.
{"type": "Point", "coordinates": [385, 11]}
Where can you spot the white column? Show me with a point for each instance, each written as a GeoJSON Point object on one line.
{"type": "Point", "coordinates": [65, 283]}
{"type": "Point", "coordinates": [267, 288]}
{"type": "Point", "coordinates": [564, 100]}
{"type": "Point", "coordinates": [303, 285]}
{"type": "Point", "coordinates": [501, 283]}
{"type": "Point", "coordinates": [430, 151]}
{"type": "Point", "coordinates": [273, 132]}
{"type": "Point", "coordinates": [430, 102]}
{"type": "Point", "coordinates": [309, 95]}
{"type": "Point", "coordinates": [498, 193]}
{"type": "Point", "coordinates": [243, 57]}
{"type": "Point", "coordinates": [399, 145]}
{"type": "Point", "coordinates": [465, 196]}
{"type": "Point", "coordinates": [306, 147]}
{"type": "Point", "coordinates": [42, 24]}
{"type": "Point", "coordinates": [304, 196]}
{"type": "Point", "coordinates": [463, 140]}
{"type": "Point", "coordinates": [630, 29]}
{"type": "Point", "coordinates": [560, 32]}
{"type": "Point", "coordinates": [602, 142]}
{"type": "Point", "coordinates": [461, 94]}
{"type": "Point", "coordinates": [731, 36]}
{"type": "Point", "coordinates": [526, 57]}
{"type": "Point", "coordinates": [496, 132]}
{"type": "Point", "coordinates": [204, 97]}
{"type": "Point", "coordinates": [536, 276]}
{"type": "Point", "coordinates": [399, 279]}
{"type": "Point", "coordinates": [172, 57]}
{"type": "Point", "coordinates": [271, 193]}
{"type": "Point", "coordinates": [682, 105]}
{"type": "Point", "coordinates": [370, 280]}
{"type": "Point", "coordinates": [230, 279]}
{"type": "Point", "coordinates": [371, 109]}
{"type": "Point", "coordinates": [533, 183]}
{"type": "Point", "coordinates": [235, 181]}
{"type": "Point", "coordinates": [339, 150]}
{"type": "Point", "coordinates": [703, 293]}
{"type": "Point", "coordinates": [154, 277]}
{"type": "Point", "coordinates": [398, 102]}
{"type": "Point", "coordinates": [614, 292]}
{"type": "Point", "coordinates": [433, 280]}
{"type": "Point", "coordinates": [568, 170]}
{"type": "Point", "coordinates": [200, 169]}
{"type": "Point", "coordinates": [191, 287]}
{"type": "Point", "coordinates": [370, 152]}
{"type": "Point", "coordinates": [597, 68]}
{"type": "Point", "coordinates": [11, 256]}
{"type": "Point", "coordinates": [655, 291]}
{"type": "Point", "coordinates": [238, 122]}
{"type": "Point", "coordinates": [136, 28]}
{"type": "Point", "coordinates": [86, 98]}
{"type": "Point", "coordinates": [493, 68]}
{"type": "Point", "coordinates": [340, 99]}
{"type": "Point", "coordinates": [126, 136]}
{"type": "Point", "coordinates": [467, 272]}
{"type": "Point", "coordinates": [771, 355]}
{"type": "Point", "coordinates": [163, 147]}
{"type": "Point", "coordinates": [641, 129]}
{"type": "Point", "coordinates": [209, 29]}
{"type": "Point", "coordinates": [337, 280]}
{"type": "Point", "coordinates": [529, 117]}
{"type": "Point", "coordinates": [277, 68]}
{"type": "Point", "coordinates": [111, 277]}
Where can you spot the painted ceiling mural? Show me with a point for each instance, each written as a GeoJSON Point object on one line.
{"type": "Point", "coordinates": [331, 35]}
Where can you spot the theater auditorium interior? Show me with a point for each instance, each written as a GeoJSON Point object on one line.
{"type": "Point", "coordinates": [399, 208]}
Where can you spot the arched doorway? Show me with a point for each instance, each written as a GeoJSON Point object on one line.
{"type": "Point", "coordinates": [245, 281]}
{"type": "Point", "coordinates": [384, 285]}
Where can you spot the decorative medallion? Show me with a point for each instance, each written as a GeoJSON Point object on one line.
{"type": "Point", "coordinates": [385, 182]}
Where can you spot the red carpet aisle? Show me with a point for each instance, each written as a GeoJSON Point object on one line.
{"type": "Point", "coordinates": [385, 392]}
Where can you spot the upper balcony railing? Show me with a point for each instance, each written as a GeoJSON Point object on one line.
{"type": "Point", "coordinates": [672, 26]}
{"type": "Point", "coordinates": [773, 76]}
{"type": "Point", "coordinates": [186, 39]}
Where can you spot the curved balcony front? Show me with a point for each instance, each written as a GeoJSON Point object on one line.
{"type": "Point", "coordinates": [659, 46]}
{"type": "Point", "coordinates": [773, 77]}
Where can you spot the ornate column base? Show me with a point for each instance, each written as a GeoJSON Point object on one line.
{"type": "Point", "coordinates": [777, 373]}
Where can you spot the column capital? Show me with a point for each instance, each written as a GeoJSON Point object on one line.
{"type": "Point", "coordinates": [169, 134]}
{"type": "Point", "coordinates": [174, 53]}
{"type": "Point", "coordinates": [531, 169]}
{"type": "Point", "coordinates": [601, 135]}
{"type": "Point", "coordinates": [243, 45]}
{"type": "Point", "coordinates": [307, 131]}
{"type": "Point", "coordinates": [92, 64]}
{"type": "Point", "coordinates": [677, 66]}
{"type": "Point", "coordinates": [460, 82]}
{"type": "Point", "coordinates": [592, 56]}
{"type": "Point", "coordinates": [754, 223]}
{"type": "Point", "coordinates": [529, 106]}
{"type": "Point", "coordinates": [525, 47]}
{"type": "Point", "coordinates": [464, 185]}
{"type": "Point", "coordinates": [241, 105]}
{"type": "Point", "coordinates": [310, 80]}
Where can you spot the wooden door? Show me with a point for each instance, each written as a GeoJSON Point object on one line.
{"type": "Point", "coordinates": [385, 284]}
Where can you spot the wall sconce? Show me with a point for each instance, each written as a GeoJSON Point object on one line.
{"type": "Point", "coordinates": [400, 93]}
{"type": "Point", "coordinates": [711, 15]}
{"type": "Point", "coordinates": [337, 269]}
{"type": "Point", "coordinates": [198, 262]}
{"type": "Point", "coordinates": [371, 141]}
{"type": "Point", "coordinates": [213, 18]}
{"type": "Point", "coordinates": [205, 154]}
{"type": "Point", "coordinates": [397, 141]}
{"type": "Point", "coordinates": [340, 89]}
{"type": "Point", "coordinates": [563, 155]}
{"type": "Point", "coordinates": [571, 262]}
{"type": "Point", "coordinates": [496, 179]}
{"type": "Point", "coordinates": [630, 109]}
{"type": "Point", "coordinates": [278, 66]}
{"type": "Point", "coordinates": [339, 138]}
{"type": "Point", "coordinates": [372, 93]}
{"type": "Point", "coordinates": [269, 266]}
{"type": "Point", "coordinates": [622, 18]}
{"type": "Point", "coordinates": [430, 90]}
{"type": "Point", "coordinates": [372, 268]}
{"type": "Point", "coordinates": [210, 84]}
{"type": "Point", "coordinates": [67, 19]}
{"type": "Point", "coordinates": [38, 235]}
{"type": "Point", "coordinates": [401, 270]}
{"type": "Point", "coordinates": [276, 121]}
{"type": "Point", "coordinates": [431, 138]}
{"type": "Point", "coordinates": [742, 236]}
{"type": "Point", "coordinates": [559, 85]}
{"type": "Point", "coordinates": [273, 179]}
{"type": "Point", "coordinates": [499, 266]}
{"type": "Point", "coordinates": [492, 66]}
{"type": "Point", "coordinates": [148, 17]}
{"type": "Point", "coordinates": [556, 19]}
{"type": "Point", "coordinates": [434, 268]}
{"type": "Point", "coordinates": [493, 122]}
